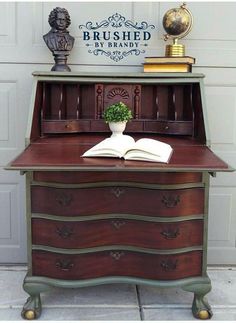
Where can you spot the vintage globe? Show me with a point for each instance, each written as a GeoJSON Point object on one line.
{"type": "Point", "coordinates": [177, 23]}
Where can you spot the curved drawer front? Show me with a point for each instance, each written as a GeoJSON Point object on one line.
{"type": "Point", "coordinates": [86, 234]}
{"type": "Point", "coordinates": [117, 263]}
{"type": "Point", "coordinates": [141, 177]}
{"type": "Point", "coordinates": [118, 200]}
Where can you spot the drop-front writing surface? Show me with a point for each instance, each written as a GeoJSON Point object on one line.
{"type": "Point", "coordinates": [65, 153]}
{"type": "Point", "coordinates": [105, 220]}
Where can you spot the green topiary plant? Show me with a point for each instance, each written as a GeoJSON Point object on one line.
{"type": "Point", "coordinates": [118, 112]}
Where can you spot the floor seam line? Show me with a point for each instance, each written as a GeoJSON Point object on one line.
{"type": "Point", "coordinates": [141, 313]}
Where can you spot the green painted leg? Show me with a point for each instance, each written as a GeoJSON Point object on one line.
{"type": "Point", "coordinates": [32, 308]}
{"type": "Point", "coordinates": [200, 308]}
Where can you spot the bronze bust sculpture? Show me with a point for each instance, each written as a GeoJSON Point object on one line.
{"type": "Point", "coordinates": [58, 39]}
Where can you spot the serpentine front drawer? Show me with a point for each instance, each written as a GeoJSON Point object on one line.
{"type": "Point", "coordinates": [162, 178]}
{"type": "Point", "coordinates": [118, 200]}
{"type": "Point", "coordinates": [116, 263]}
{"type": "Point", "coordinates": [115, 231]}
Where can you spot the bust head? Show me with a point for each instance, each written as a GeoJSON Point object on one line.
{"type": "Point", "coordinates": [58, 39]}
{"type": "Point", "coordinates": [59, 19]}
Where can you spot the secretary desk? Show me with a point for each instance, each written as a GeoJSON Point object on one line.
{"type": "Point", "coordinates": [94, 221]}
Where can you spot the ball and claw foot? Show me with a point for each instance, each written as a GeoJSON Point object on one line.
{"type": "Point", "coordinates": [204, 315]}
{"type": "Point", "coordinates": [29, 315]}
{"type": "Point", "coordinates": [32, 308]}
{"type": "Point", "coordinates": [201, 309]}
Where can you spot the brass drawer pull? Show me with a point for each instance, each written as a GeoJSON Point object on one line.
{"type": "Point", "coordinates": [117, 224]}
{"type": "Point", "coordinates": [64, 264]}
{"type": "Point", "coordinates": [170, 200]}
{"type": "Point", "coordinates": [170, 233]}
{"type": "Point", "coordinates": [169, 265]}
{"type": "Point", "coordinates": [117, 191]}
{"type": "Point", "coordinates": [65, 232]}
{"type": "Point", "coordinates": [64, 199]}
{"type": "Point", "coordinates": [117, 254]}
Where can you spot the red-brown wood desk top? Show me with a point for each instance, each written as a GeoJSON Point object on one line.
{"type": "Point", "coordinates": [65, 152]}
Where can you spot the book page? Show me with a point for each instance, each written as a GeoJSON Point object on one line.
{"type": "Point", "coordinates": [152, 146]}
{"type": "Point", "coordinates": [150, 149]}
{"type": "Point", "coordinates": [146, 156]}
{"type": "Point", "coordinates": [111, 147]}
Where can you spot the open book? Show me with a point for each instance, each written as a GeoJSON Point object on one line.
{"type": "Point", "coordinates": [124, 146]}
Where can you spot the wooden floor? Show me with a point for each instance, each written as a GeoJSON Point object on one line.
{"type": "Point", "coordinates": [118, 302]}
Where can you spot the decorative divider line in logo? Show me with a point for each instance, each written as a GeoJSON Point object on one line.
{"type": "Point", "coordinates": [109, 42]}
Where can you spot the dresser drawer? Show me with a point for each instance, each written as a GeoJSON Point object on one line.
{"type": "Point", "coordinates": [86, 234]}
{"type": "Point", "coordinates": [118, 200]}
{"type": "Point", "coordinates": [140, 177]}
{"type": "Point", "coordinates": [117, 263]}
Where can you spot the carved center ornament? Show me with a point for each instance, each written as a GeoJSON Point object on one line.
{"type": "Point", "coordinates": [118, 91]}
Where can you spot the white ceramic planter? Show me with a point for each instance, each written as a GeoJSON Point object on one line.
{"type": "Point", "coordinates": [117, 128]}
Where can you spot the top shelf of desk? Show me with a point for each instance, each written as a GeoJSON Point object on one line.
{"type": "Point", "coordinates": [161, 104]}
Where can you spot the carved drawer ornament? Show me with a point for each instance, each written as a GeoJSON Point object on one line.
{"type": "Point", "coordinates": [64, 199]}
{"type": "Point", "coordinates": [169, 265]}
{"type": "Point", "coordinates": [117, 254]}
{"type": "Point", "coordinates": [170, 233]}
{"type": "Point", "coordinates": [170, 200]}
{"type": "Point", "coordinates": [64, 264]}
{"type": "Point", "coordinates": [118, 91]}
{"type": "Point", "coordinates": [117, 224]}
{"type": "Point", "coordinates": [117, 191]}
{"type": "Point", "coordinates": [65, 232]}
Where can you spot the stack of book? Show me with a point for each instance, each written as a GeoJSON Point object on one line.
{"type": "Point", "coordinates": [170, 64]}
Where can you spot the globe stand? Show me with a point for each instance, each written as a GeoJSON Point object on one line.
{"type": "Point", "coordinates": [175, 49]}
